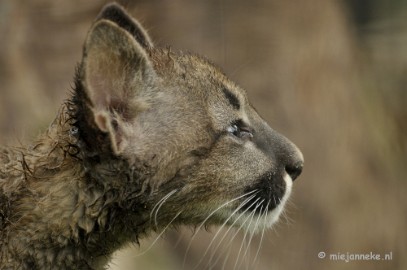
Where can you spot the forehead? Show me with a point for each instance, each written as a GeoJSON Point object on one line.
{"type": "Point", "coordinates": [227, 101]}
{"type": "Point", "coordinates": [213, 75]}
{"type": "Point", "coordinates": [192, 80]}
{"type": "Point", "coordinates": [225, 97]}
{"type": "Point", "coordinates": [197, 73]}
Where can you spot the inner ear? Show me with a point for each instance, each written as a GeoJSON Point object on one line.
{"type": "Point", "coordinates": [116, 70]}
{"type": "Point", "coordinates": [115, 127]}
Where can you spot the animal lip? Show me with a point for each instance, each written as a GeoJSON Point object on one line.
{"type": "Point", "coordinates": [270, 190]}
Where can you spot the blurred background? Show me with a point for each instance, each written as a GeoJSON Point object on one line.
{"type": "Point", "coordinates": [329, 74]}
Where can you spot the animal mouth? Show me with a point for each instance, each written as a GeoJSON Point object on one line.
{"type": "Point", "coordinates": [264, 203]}
{"type": "Point", "coordinates": [268, 194]}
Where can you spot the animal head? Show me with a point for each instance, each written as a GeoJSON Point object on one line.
{"type": "Point", "coordinates": [210, 157]}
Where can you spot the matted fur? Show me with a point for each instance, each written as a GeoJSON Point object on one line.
{"type": "Point", "coordinates": [144, 125]}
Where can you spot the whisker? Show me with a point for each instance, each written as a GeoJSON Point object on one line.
{"type": "Point", "coordinates": [226, 259]}
{"type": "Point", "coordinates": [287, 219]}
{"type": "Point", "coordinates": [243, 240]}
{"type": "Point", "coordinates": [234, 235]}
{"type": "Point", "coordinates": [237, 231]}
{"type": "Point", "coordinates": [159, 203]}
{"type": "Point", "coordinates": [252, 231]}
{"type": "Point", "coordinates": [262, 235]}
{"type": "Point", "coordinates": [179, 239]}
{"type": "Point", "coordinates": [223, 225]}
{"type": "Point", "coordinates": [208, 217]}
{"type": "Point", "coordinates": [231, 240]}
{"type": "Point", "coordinates": [158, 237]}
{"type": "Point", "coordinates": [285, 213]}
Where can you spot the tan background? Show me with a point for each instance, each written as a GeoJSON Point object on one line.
{"type": "Point", "coordinates": [330, 76]}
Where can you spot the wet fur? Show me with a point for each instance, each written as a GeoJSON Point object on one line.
{"type": "Point", "coordinates": [92, 182]}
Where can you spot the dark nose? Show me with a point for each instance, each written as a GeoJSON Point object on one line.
{"type": "Point", "coordinates": [285, 154]}
{"type": "Point", "coordinates": [295, 169]}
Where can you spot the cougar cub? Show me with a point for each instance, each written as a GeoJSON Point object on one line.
{"type": "Point", "coordinates": [150, 137]}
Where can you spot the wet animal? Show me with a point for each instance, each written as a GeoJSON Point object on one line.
{"type": "Point", "coordinates": [150, 137]}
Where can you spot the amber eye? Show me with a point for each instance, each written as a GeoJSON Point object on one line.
{"type": "Point", "coordinates": [239, 130]}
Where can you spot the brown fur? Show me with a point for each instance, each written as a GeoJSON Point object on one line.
{"type": "Point", "coordinates": [149, 138]}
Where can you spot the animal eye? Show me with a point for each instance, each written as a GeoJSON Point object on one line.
{"type": "Point", "coordinates": [239, 130]}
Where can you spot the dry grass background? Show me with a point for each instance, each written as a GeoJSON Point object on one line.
{"type": "Point", "coordinates": [333, 85]}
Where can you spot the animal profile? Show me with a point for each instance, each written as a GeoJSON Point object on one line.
{"type": "Point", "coordinates": [149, 138]}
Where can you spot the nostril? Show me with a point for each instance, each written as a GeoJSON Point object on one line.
{"type": "Point", "coordinates": [294, 170]}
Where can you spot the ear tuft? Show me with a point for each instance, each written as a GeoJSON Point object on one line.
{"type": "Point", "coordinates": [115, 13]}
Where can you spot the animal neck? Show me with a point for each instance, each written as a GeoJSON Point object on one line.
{"type": "Point", "coordinates": [73, 207]}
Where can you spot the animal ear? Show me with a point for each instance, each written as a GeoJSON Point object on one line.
{"type": "Point", "coordinates": [115, 13]}
{"type": "Point", "coordinates": [115, 69]}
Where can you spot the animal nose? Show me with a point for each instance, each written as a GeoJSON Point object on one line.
{"type": "Point", "coordinates": [295, 169]}
{"type": "Point", "coordinates": [285, 154]}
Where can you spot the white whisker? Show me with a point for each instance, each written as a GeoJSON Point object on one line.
{"type": "Point", "coordinates": [243, 240]}
{"type": "Point", "coordinates": [226, 259]}
{"type": "Point", "coordinates": [252, 231]}
{"type": "Point", "coordinates": [251, 234]}
{"type": "Point", "coordinates": [222, 226]}
{"type": "Point", "coordinates": [158, 206]}
{"type": "Point", "coordinates": [262, 235]}
{"type": "Point", "coordinates": [288, 220]}
{"type": "Point", "coordinates": [158, 237]}
{"type": "Point", "coordinates": [179, 239]}
{"type": "Point", "coordinates": [235, 234]}
{"type": "Point", "coordinates": [208, 217]}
